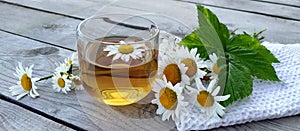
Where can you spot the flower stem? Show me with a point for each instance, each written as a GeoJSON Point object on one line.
{"type": "Point", "coordinates": [45, 78]}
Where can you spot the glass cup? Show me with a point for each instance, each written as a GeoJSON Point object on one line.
{"type": "Point", "coordinates": [117, 57]}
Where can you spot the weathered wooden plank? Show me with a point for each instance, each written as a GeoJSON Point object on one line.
{"type": "Point", "coordinates": [16, 118]}
{"type": "Point", "coordinates": [295, 3]}
{"type": "Point", "coordinates": [138, 116]}
{"type": "Point", "coordinates": [47, 27]}
{"type": "Point", "coordinates": [17, 49]}
{"type": "Point", "coordinates": [278, 30]}
{"type": "Point", "coordinates": [269, 9]}
{"type": "Point", "coordinates": [60, 30]}
{"type": "Point", "coordinates": [65, 107]}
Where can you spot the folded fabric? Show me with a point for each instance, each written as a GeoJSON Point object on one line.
{"type": "Point", "coordinates": [268, 100]}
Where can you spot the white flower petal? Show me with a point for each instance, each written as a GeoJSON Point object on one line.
{"type": "Point", "coordinates": [35, 92]}
{"type": "Point", "coordinates": [14, 87]}
{"type": "Point", "coordinates": [117, 56]}
{"type": "Point", "coordinates": [21, 95]}
{"type": "Point", "coordinates": [16, 75]}
{"type": "Point", "coordinates": [166, 115]}
{"type": "Point", "coordinates": [199, 85]}
{"type": "Point", "coordinates": [30, 70]}
{"type": "Point", "coordinates": [64, 91]}
{"type": "Point", "coordinates": [17, 91]}
{"type": "Point", "coordinates": [221, 98]}
{"type": "Point", "coordinates": [160, 110]}
{"type": "Point", "coordinates": [216, 91]}
{"type": "Point", "coordinates": [211, 85]}
{"type": "Point", "coordinates": [126, 58]}
{"type": "Point", "coordinates": [112, 53]}
{"type": "Point", "coordinates": [220, 111]}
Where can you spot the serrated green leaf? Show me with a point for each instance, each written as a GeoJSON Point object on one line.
{"type": "Point", "coordinates": [239, 81]}
{"type": "Point", "coordinates": [245, 56]}
{"type": "Point", "coordinates": [206, 38]}
{"type": "Point", "coordinates": [246, 41]}
{"type": "Point", "coordinates": [193, 41]}
{"type": "Point", "coordinates": [259, 60]}
{"type": "Point", "coordinates": [219, 27]}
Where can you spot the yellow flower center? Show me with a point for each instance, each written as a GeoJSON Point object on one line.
{"type": "Point", "coordinates": [205, 99]}
{"type": "Point", "coordinates": [126, 49]}
{"type": "Point", "coordinates": [168, 98]}
{"type": "Point", "coordinates": [26, 82]}
{"type": "Point", "coordinates": [61, 82]}
{"type": "Point", "coordinates": [192, 66]}
{"type": "Point", "coordinates": [69, 62]}
{"type": "Point", "coordinates": [216, 68]}
{"type": "Point", "coordinates": [172, 73]}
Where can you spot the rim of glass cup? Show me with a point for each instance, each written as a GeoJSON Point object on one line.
{"type": "Point", "coordinates": [82, 35]}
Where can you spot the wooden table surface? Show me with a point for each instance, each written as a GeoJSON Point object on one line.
{"type": "Point", "coordinates": [42, 32]}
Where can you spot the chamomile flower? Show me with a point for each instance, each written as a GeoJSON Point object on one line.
{"type": "Point", "coordinates": [72, 60]}
{"type": "Point", "coordinates": [207, 99]}
{"type": "Point", "coordinates": [212, 66]}
{"type": "Point", "coordinates": [125, 51]}
{"type": "Point", "coordinates": [76, 83]}
{"type": "Point", "coordinates": [61, 83]}
{"type": "Point", "coordinates": [62, 68]}
{"type": "Point", "coordinates": [169, 99]}
{"type": "Point", "coordinates": [167, 47]}
{"type": "Point", "coordinates": [192, 61]}
{"type": "Point", "coordinates": [25, 85]}
{"type": "Point", "coordinates": [174, 70]}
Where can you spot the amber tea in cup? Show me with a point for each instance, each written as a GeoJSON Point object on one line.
{"type": "Point", "coordinates": [117, 57]}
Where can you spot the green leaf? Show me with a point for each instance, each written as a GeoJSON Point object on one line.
{"type": "Point", "coordinates": [239, 81]}
{"type": "Point", "coordinates": [241, 56]}
{"type": "Point", "coordinates": [220, 28]}
{"type": "Point", "coordinates": [247, 41]}
{"type": "Point", "coordinates": [211, 35]}
{"type": "Point", "coordinates": [243, 63]}
{"type": "Point", "coordinates": [259, 60]}
{"type": "Point", "coordinates": [193, 41]}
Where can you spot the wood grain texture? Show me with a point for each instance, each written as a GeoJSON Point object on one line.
{"type": "Point", "coordinates": [45, 58]}
{"type": "Point", "coordinates": [138, 116]}
{"type": "Point", "coordinates": [16, 118]}
{"type": "Point", "coordinates": [249, 22]}
{"type": "Point", "coordinates": [295, 3]}
{"type": "Point", "coordinates": [66, 107]}
{"type": "Point", "coordinates": [180, 17]}
{"type": "Point", "coordinates": [55, 29]}
{"type": "Point", "coordinates": [52, 25]}
{"type": "Point", "coordinates": [262, 8]}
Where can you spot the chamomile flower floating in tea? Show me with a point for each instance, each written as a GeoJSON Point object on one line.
{"type": "Point", "coordinates": [207, 99]}
{"type": "Point", "coordinates": [169, 99]}
{"type": "Point", "coordinates": [125, 51]}
{"type": "Point", "coordinates": [174, 70]}
{"type": "Point", "coordinates": [61, 83]}
{"type": "Point", "coordinates": [213, 66]}
{"type": "Point", "coordinates": [192, 61]}
{"type": "Point", "coordinates": [25, 85]}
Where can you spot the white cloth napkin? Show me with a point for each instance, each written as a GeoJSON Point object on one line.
{"type": "Point", "coordinates": [268, 100]}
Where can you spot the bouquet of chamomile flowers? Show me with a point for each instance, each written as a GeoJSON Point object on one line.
{"type": "Point", "coordinates": [179, 85]}
{"type": "Point", "coordinates": [63, 79]}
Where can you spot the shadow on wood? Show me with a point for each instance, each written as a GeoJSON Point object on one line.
{"type": "Point", "coordinates": [140, 115]}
